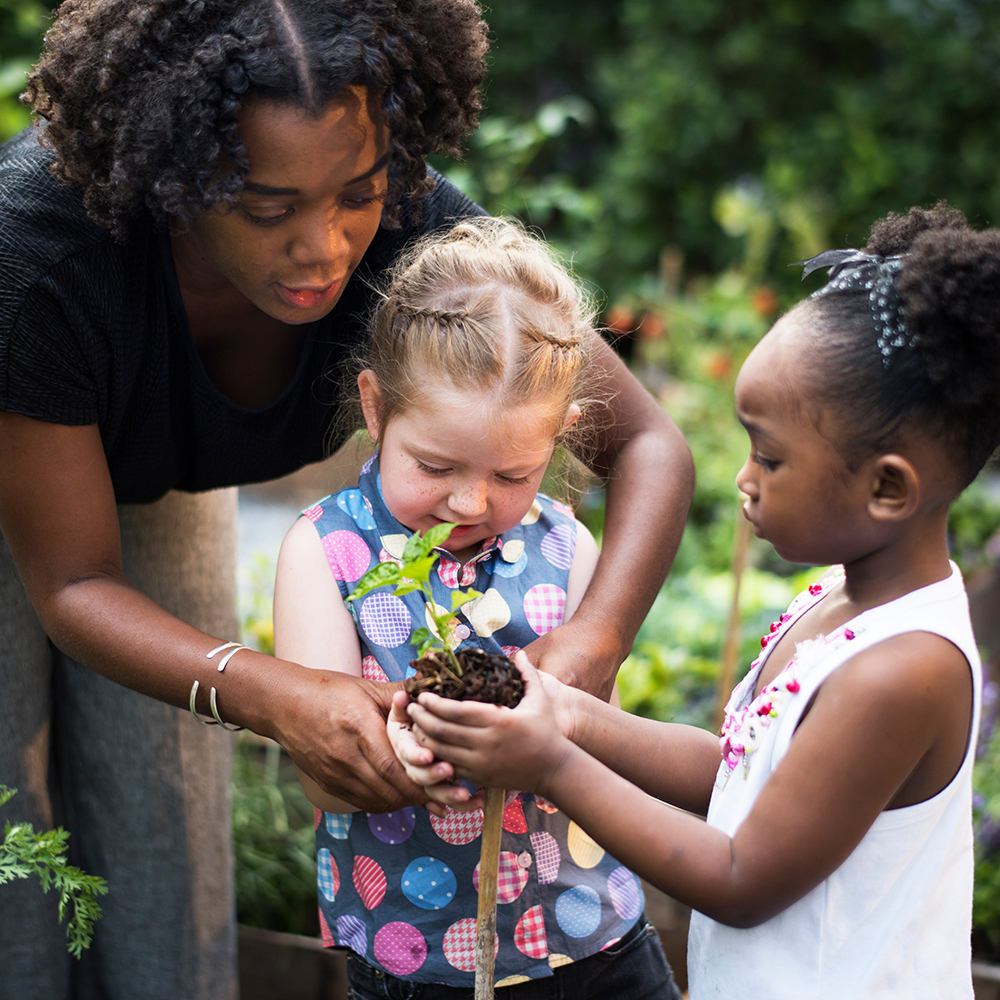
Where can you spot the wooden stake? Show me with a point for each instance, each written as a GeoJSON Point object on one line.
{"type": "Point", "coordinates": [731, 641]}
{"type": "Point", "coordinates": [486, 916]}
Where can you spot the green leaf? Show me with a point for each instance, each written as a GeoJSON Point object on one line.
{"type": "Point", "coordinates": [24, 853]}
{"type": "Point", "coordinates": [407, 587]}
{"type": "Point", "coordinates": [459, 597]}
{"type": "Point", "coordinates": [381, 575]}
{"type": "Point", "coordinates": [421, 635]}
{"type": "Point", "coordinates": [416, 546]}
{"type": "Point", "coordinates": [419, 569]}
{"type": "Point", "coordinates": [437, 535]}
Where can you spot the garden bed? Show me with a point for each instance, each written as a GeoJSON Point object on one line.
{"type": "Point", "coordinates": [275, 966]}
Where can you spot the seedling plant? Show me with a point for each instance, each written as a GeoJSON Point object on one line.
{"type": "Point", "coordinates": [470, 674]}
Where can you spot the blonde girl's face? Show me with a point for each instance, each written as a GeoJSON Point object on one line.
{"type": "Point", "coordinates": [458, 457]}
{"type": "Point", "coordinates": [800, 494]}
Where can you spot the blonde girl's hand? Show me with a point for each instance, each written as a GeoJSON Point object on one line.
{"type": "Point", "coordinates": [492, 746]}
{"type": "Point", "coordinates": [421, 766]}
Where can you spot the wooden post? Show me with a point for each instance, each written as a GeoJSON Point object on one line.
{"type": "Point", "coordinates": [731, 640]}
{"type": "Point", "coordinates": [486, 915]}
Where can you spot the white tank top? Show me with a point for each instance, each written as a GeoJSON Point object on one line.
{"type": "Point", "coordinates": [894, 920]}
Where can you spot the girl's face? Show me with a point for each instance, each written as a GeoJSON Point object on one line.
{"type": "Point", "coordinates": [311, 205]}
{"type": "Point", "coordinates": [460, 457]}
{"type": "Point", "coordinates": [801, 495]}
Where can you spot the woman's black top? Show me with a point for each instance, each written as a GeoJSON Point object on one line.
{"type": "Point", "coordinates": [94, 331]}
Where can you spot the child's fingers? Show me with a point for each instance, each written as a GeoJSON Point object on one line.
{"type": "Point", "coordinates": [397, 707]}
{"type": "Point", "coordinates": [408, 751]}
{"type": "Point", "coordinates": [443, 731]}
{"type": "Point", "coordinates": [417, 761]}
{"type": "Point", "coordinates": [527, 668]}
{"type": "Point", "coordinates": [469, 763]}
{"type": "Point", "coordinates": [432, 774]}
{"type": "Point", "coordinates": [398, 724]}
{"type": "Point", "coordinates": [463, 713]}
{"type": "Point", "coordinates": [455, 796]}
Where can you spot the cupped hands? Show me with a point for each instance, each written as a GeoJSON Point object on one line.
{"type": "Point", "coordinates": [440, 741]}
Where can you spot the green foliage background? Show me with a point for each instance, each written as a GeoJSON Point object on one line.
{"type": "Point", "coordinates": [22, 23]}
{"type": "Point", "coordinates": [683, 153]}
{"type": "Point", "coordinates": [635, 115]}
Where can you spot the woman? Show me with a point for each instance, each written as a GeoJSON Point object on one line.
{"type": "Point", "coordinates": [166, 318]}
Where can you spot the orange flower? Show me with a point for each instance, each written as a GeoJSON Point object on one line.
{"type": "Point", "coordinates": [621, 319]}
{"type": "Point", "coordinates": [652, 326]}
{"type": "Point", "coordinates": [764, 301]}
{"type": "Point", "coordinates": [719, 365]}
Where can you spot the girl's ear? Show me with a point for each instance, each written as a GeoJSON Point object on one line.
{"type": "Point", "coordinates": [572, 416]}
{"type": "Point", "coordinates": [371, 403]}
{"type": "Point", "coordinates": [895, 491]}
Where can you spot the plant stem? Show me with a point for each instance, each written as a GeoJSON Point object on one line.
{"type": "Point", "coordinates": [455, 665]}
{"type": "Point", "coordinates": [486, 916]}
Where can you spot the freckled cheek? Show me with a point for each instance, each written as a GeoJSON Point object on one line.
{"type": "Point", "coordinates": [512, 508]}
{"type": "Point", "coordinates": [416, 492]}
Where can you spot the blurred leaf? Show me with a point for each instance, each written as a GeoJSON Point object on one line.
{"type": "Point", "coordinates": [274, 844]}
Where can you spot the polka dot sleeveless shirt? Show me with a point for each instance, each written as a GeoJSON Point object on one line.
{"type": "Point", "coordinates": [401, 888]}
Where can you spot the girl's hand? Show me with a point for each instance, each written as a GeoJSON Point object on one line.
{"type": "Point", "coordinates": [420, 765]}
{"type": "Point", "coordinates": [562, 696]}
{"type": "Point", "coordinates": [493, 746]}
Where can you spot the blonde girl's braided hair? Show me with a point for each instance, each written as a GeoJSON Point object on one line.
{"type": "Point", "coordinates": [487, 306]}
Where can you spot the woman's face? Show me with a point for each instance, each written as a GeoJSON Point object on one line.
{"type": "Point", "coordinates": [310, 206]}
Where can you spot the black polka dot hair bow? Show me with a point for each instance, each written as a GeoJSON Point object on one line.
{"type": "Point", "coordinates": [855, 269]}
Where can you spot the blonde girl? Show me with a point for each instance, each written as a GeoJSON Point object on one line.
{"type": "Point", "coordinates": [478, 366]}
{"type": "Point", "coordinates": [836, 860]}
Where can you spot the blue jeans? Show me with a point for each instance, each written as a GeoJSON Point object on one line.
{"type": "Point", "coordinates": [634, 968]}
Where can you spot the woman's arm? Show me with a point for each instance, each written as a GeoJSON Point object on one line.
{"type": "Point", "coordinates": [905, 704]}
{"type": "Point", "coordinates": [58, 515]}
{"type": "Point", "coordinates": [647, 466]}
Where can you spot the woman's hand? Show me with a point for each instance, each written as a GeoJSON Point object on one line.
{"type": "Point", "coordinates": [334, 728]}
{"type": "Point", "coordinates": [580, 654]}
{"type": "Point", "coordinates": [493, 746]}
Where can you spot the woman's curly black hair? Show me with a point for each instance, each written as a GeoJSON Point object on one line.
{"type": "Point", "coordinates": [141, 97]}
{"type": "Point", "coordinates": [947, 381]}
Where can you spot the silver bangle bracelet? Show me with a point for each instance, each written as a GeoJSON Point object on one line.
{"type": "Point", "coordinates": [231, 649]}
{"type": "Point", "coordinates": [217, 720]}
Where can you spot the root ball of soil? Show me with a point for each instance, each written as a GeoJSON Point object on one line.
{"type": "Point", "coordinates": [485, 677]}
